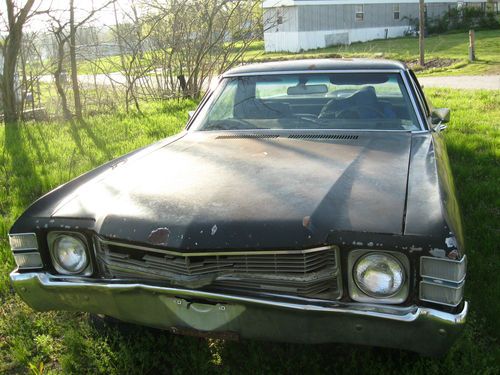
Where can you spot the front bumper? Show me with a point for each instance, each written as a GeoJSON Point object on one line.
{"type": "Point", "coordinates": [424, 330]}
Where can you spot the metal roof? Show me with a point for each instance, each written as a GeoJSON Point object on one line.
{"type": "Point", "coordinates": [316, 65]}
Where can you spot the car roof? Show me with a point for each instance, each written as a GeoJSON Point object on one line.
{"type": "Point", "coordinates": [290, 66]}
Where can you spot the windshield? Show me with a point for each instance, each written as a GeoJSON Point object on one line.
{"type": "Point", "coordinates": [374, 101]}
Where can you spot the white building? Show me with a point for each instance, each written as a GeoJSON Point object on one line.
{"type": "Point", "coordinates": [295, 25]}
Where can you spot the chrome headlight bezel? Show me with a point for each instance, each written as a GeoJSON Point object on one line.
{"type": "Point", "coordinates": [53, 237]}
{"type": "Point", "coordinates": [357, 294]}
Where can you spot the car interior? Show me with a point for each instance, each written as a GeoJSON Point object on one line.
{"type": "Point", "coordinates": [342, 101]}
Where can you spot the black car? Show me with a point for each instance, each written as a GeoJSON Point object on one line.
{"type": "Point", "coordinates": [306, 201]}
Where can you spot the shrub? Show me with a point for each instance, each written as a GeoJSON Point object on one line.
{"type": "Point", "coordinates": [465, 18]}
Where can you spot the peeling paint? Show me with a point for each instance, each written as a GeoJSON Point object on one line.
{"type": "Point", "coordinates": [214, 230]}
{"type": "Point", "coordinates": [369, 244]}
{"type": "Point", "coordinates": [413, 248]}
{"type": "Point", "coordinates": [306, 222]}
{"type": "Point", "coordinates": [453, 254]}
{"type": "Point", "coordinates": [451, 242]}
{"type": "Point", "coordinates": [159, 236]}
{"type": "Point", "coordinates": [439, 253]}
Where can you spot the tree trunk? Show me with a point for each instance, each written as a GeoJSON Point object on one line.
{"type": "Point", "coordinates": [10, 49]}
{"type": "Point", "coordinates": [11, 115]}
{"type": "Point", "coordinates": [23, 85]}
{"type": "Point", "coordinates": [72, 57]}
{"type": "Point", "coordinates": [58, 81]}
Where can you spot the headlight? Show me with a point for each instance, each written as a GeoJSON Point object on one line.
{"type": "Point", "coordinates": [69, 253]}
{"type": "Point", "coordinates": [379, 275]}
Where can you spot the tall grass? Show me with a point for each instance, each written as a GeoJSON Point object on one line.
{"type": "Point", "coordinates": [35, 158]}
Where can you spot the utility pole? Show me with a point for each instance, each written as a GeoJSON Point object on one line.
{"type": "Point", "coordinates": [421, 28]}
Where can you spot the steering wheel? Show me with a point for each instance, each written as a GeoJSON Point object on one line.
{"type": "Point", "coordinates": [354, 112]}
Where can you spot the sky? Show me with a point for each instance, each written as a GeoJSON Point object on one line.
{"type": "Point", "coordinates": [60, 7]}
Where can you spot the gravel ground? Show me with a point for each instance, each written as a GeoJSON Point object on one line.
{"type": "Point", "coordinates": [463, 82]}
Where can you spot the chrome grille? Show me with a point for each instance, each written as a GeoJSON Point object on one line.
{"type": "Point", "coordinates": [300, 272]}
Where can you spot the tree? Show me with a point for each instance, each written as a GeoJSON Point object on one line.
{"type": "Point", "coordinates": [61, 39]}
{"type": "Point", "coordinates": [133, 64]}
{"type": "Point", "coordinates": [65, 34]}
{"type": "Point", "coordinates": [16, 19]}
{"type": "Point", "coordinates": [31, 67]}
{"type": "Point", "coordinates": [199, 39]}
{"type": "Point", "coordinates": [73, 27]}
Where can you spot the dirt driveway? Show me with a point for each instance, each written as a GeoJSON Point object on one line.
{"type": "Point", "coordinates": [463, 82]}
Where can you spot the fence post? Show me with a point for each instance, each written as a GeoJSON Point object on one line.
{"type": "Point", "coordinates": [472, 47]}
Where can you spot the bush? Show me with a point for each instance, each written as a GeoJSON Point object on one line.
{"type": "Point", "coordinates": [465, 18]}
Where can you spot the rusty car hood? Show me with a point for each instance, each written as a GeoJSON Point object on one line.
{"type": "Point", "coordinates": [212, 190]}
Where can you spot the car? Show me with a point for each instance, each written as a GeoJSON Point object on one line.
{"type": "Point", "coordinates": [306, 201]}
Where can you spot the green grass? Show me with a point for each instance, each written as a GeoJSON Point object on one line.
{"type": "Point", "coordinates": [104, 64]}
{"type": "Point", "coordinates": [36, 157]}
{"type": "Point", "coordinates": [449, 46]}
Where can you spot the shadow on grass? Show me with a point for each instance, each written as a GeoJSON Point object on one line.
{"type": "Point", "coordinates": [24, 185]}
{"type": "Point", "coordinates": [81, 129]}
{"type": "Point", "coordinates": [477, 178]}
{"type": "Point", "coordinates": [98, 142]}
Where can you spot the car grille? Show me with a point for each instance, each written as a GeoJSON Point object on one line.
{"type": "Point", "coordinates": [306, 273]}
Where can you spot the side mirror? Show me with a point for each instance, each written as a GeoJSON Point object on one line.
{"type": "Point", "coordinates": [440, 116]}
{"type": "Point", "coordinates": [191, 114]}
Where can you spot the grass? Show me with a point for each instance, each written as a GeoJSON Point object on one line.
{"type": "Point", "coordinates": [445, 46]}
{"type": "Point", "coordinates": [35, 158]}
{"type": "Point", "coordinates": [104, 64]}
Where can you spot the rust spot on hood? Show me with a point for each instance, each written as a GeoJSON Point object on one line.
{"type": "Point", "coordinates": [159, 236]}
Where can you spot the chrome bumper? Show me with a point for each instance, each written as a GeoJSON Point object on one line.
{"type": "Point", "coordinates": [424, 330]}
